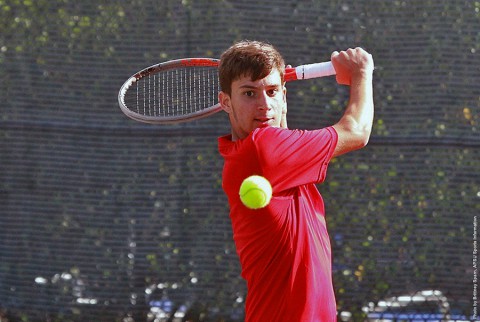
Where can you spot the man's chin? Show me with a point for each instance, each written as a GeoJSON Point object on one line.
{"type": "Point", "coordinates": [263, 124]}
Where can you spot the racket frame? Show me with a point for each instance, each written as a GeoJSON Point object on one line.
{"type": "Point", "coordinates": [169, 65]}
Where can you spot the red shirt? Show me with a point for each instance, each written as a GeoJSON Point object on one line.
{"type": "Point", "coordinates": [284, 248]}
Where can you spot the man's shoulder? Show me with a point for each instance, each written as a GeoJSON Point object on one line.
{"type": "Point", "coordinates": [268, 131]}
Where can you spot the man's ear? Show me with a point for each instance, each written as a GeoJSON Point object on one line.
{"type": "Point", "coordinates": [225, 102]}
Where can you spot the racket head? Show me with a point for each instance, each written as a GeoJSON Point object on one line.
{"type": "Point", "coordinates": [172, 92]}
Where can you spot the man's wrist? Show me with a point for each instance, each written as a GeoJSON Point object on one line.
{"type": "Point", "coordinates": [362, 75]}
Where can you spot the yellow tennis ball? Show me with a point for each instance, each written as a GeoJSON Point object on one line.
{"type": "Point", "coordinates": [255, 192]}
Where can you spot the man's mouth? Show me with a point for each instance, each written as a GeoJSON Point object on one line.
{"type": "Point", "coordinates": [263, 119]}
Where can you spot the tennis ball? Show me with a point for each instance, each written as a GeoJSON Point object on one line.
{"type": "Point", "coordinates": [255, 192]}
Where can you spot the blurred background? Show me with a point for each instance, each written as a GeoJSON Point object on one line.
{"type": "Point", "coordinates": [106, 219]}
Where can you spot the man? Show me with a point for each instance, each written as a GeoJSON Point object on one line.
{"type": "Point", "coordinates": [284, 248]}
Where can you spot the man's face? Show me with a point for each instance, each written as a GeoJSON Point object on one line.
{"type": "Point", "coordinates": [254, 104]}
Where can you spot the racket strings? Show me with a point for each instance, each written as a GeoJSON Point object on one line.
{"type": "Point", "coordinates": [175, 92]}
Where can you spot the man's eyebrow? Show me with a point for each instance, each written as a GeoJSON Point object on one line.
{"type": "Point", "coordinates": [249, 86]}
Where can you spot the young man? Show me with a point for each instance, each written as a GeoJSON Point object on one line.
{"type": "Point", "coordinates": [284, 248]}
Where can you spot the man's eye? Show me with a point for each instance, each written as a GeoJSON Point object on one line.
{"type": "Point", "coordinates": [272, 92]}
{"type": "Point", "coordinates": [249, 93]}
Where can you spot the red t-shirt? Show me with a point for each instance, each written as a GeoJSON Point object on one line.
{"type": "Point", "coordinates": [284, 248]}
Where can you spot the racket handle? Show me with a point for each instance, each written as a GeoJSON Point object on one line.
{"type": "Point", "coordinates": [315, 70]}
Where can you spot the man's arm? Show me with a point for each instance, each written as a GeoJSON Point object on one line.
{"type": "Point", "coordinates": [354, 67]}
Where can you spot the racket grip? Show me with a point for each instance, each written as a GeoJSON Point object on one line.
{"type": "Point", "coordinates": [315, 70]}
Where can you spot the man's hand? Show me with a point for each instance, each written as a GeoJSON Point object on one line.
{"type": "Point", "coordinates": [351, 65]}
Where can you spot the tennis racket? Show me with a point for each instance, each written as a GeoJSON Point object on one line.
{"type": "Point", "coordinates": [187, 89]}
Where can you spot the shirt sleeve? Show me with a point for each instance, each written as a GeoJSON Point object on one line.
{"type": "Point", "coordinates": [290, 158]}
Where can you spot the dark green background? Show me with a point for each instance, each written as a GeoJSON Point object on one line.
{"type": "Point", "coordinates": [116, 206]}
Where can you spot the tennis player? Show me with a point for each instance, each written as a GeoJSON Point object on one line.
{"type": "Point", "coordinates": [284, 248]}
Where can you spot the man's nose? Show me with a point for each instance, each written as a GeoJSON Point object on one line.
{"type": "Point", "coordinates": [264, 101]}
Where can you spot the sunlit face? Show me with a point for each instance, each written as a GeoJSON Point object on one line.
{"type": "Point", "coordinates": [254, 104]}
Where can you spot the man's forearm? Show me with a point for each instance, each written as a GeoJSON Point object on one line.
{"type": "Point", "coordinates": [360, 108]}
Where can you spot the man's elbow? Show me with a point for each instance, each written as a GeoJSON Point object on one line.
{"type": "Point", "coordinates": [359, 133]}
{"type": "Point", "coordinates": [363, 137]}
{"type": "Point", "coordinates": [351, 139]}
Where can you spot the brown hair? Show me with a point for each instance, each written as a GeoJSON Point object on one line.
{"type": "Point", "coordinates": [248, 58]}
